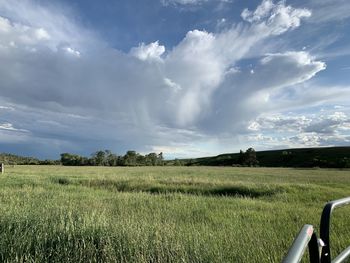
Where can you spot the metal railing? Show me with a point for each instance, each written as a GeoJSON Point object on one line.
{"type": "Point", "coordinates": [319, 249]}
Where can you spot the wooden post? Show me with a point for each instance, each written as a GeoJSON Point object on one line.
{"type": "Point", "coordinates": [2, 168]}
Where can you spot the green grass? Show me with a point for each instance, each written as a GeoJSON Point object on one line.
{"type": "Point", "coordinates": [163, 214]}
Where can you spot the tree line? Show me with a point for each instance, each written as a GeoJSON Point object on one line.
{"type": "Point", "coordinates": [107, 158]}
{"type": "Point", "coordinates": [131, 158]}
{"type": "Point", "coordinates": [332, 157]}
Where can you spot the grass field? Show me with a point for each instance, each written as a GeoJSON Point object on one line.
{"type": "Point", "coordinates": [163, 214]}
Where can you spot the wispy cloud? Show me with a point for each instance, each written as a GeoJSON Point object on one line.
{"type": "Point", "coordinates": [183, 2]}
{"type": "Point", "coordinates": [9, 127]}
{"type": "Point", "coordinates": [328, 10]}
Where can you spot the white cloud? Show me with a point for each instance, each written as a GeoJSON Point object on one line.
{"type": "Point", "coordinates": [254, 126]}
{"type": "Point", "coordinates": [9, 108]}
{"type": "Point", "coordinates": [5, 25]}
{"type": "Point", "coordinates": [315, 140]}
{"type": "Point", "coordinates": [194, 65]}
{"type": "Point", "coordinates": [278, 17]}
{"type": "Point", "coordinates": [262, 11]}
{"type": "Point", "coordinates": [302, 130]}
{"type": "Point", "coordinates": [33, 21]}
{"type": "Point", "coordinates": [9, 127]}
{"type": "Point", "coordinates": [199, 63]}
{"type": "Point", "coordinates": [152, 51]}
{"type": "Point", "coordinates": [306, 68]}
{"type": "Point", "coordinates": [42, 34]}
{"type": "Point", "coordinates": [174, 86]}
{"type": "Point", "coordinates": [329, 124]}
{"type": "Point", "coordinates": [320, 124]}
{"type": "Point", "coordinates": [30, 38]}
{"type": "Point", "coordinates": [72, 51]}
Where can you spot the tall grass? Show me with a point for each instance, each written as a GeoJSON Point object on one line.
{"type": "Point", "coordinates": [163, 214]}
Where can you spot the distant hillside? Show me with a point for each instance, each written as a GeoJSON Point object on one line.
{"type": "Point", "coordinates": [12, 159]}
{"type": "Point", "coordinates": [331, 157]}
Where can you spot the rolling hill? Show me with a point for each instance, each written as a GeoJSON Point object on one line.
{"type": "Point", "coordinates": [331, 157]}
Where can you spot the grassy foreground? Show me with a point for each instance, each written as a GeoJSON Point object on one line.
{"type": "Point", "coordinates": [163, 214]}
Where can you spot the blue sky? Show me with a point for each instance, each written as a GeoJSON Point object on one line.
{"type": "Point", "coordinates": [186, 77]}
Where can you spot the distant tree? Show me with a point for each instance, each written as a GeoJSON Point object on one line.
{"type": "Point", "coordinates": [99, 158]}
{"type": "Point", "coordinates": [190, 162]}
{"type": "Point", "coordinates": [73, 159]}
{"type": "Point", "coordinates": [248, 157]}
{"type": "Point", "coordinates": [140, 159]}
{"type": "Point", "coordinates": [120, 160]}
{"type": "Point", "coordinates": [112, 159]}
{"type": "Point", "coordinates": [160, 160]}
{"type": "Point", "coordinates": [151, 159]}
{"type": "Point", "coordinates": [66, 159]}
{"type": "Point", "coordinates": [130, 158]}
{"type": "Point", "coordinates": [178, 162]}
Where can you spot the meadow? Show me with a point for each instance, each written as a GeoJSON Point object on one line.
{"type": "Point", "coordinates": [163, 214]}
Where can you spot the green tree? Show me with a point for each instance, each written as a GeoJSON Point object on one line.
{"type": "Point", "coordinates": [112, 159]}
{"type": "Point", "coordinates": [160, 159]}
{"type": "Point", "coordinates": [151, 159]}
{"type": "Point", "coordinates": [178, 162]}
{"type": "Point", "coordinates": [250, 157]}
{"type": "Point", "coordinates": [130, 158]}
{"type": "Point", "coordinates": [73, 159]}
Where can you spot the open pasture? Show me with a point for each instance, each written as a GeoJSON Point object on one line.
{"type": "Point", "coordinates": [163, 214]}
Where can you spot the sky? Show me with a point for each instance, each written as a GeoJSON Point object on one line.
{"type": "Point", "coordinates": [188, 78]}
